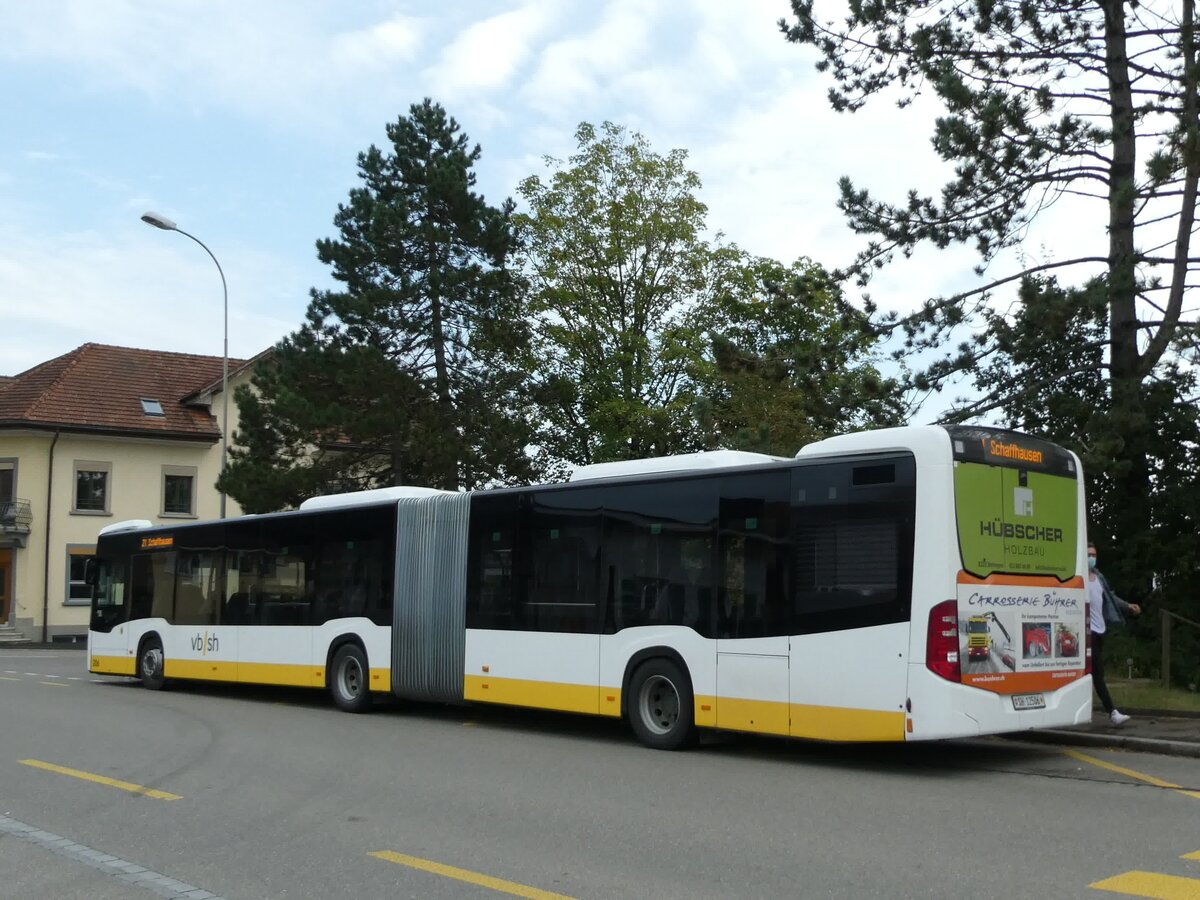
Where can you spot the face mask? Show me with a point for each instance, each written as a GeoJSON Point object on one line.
{"type": "Point", "coordinates": [1091, 562]}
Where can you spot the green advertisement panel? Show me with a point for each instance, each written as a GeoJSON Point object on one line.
{"type": "Point", "coordinates": [1015, 521]}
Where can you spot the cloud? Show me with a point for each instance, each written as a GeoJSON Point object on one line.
{"type": "Point", "coordinates": [136, 291]}
{"type": "Point", "coordinates": [487, 54]}
{"type": "Point", "coordinates": [285, 62]}
{"type": "Point", "coordinates": [377, 46]}
{"type": "Point", "coordinates": [571, 72]}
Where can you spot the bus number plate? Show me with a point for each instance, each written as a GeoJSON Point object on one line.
{"type": "Point", "coordinates": [1028, 701]}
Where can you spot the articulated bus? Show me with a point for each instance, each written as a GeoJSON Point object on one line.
{"type": "Point", "coordinates": [832, 596]}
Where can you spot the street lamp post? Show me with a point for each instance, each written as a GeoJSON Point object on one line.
{"type": "Point", "coordinates": [152, 218]}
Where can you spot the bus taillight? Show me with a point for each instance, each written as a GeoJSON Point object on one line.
{"type": "Point", "coordinates": [941, 642]}
{"type": "Point", "coordinates": [1087, 640]}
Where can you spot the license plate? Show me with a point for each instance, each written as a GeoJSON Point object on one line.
{"type": "Point", "coordinates": [1028, 701]}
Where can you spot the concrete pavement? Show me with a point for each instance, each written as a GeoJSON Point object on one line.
{"type": "Point", "coordinates": [1149, 730]}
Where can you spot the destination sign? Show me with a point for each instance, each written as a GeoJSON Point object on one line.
{"type": "Point", "coordinates": [997, 447]}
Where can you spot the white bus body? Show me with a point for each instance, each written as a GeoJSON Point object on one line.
{"type": "Point", "coordinates": [833, 605]}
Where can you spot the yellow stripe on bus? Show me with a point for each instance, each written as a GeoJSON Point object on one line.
{"type": "Point", "coordinates": [826, 723]}
{"type": "Point", "coordinates": [836, 723]}
{"type": "Point", "coordinates": [201, 669]}
{"type": "Point", "coordinates": [580, 698]}
{"type": "Point", "coordinates": [113, 665]}
{"type": "Point", "coordinates": [755, 716]}
{"type": "Point", "coordinates": [822, 723]}
{"type": "Point", "coordinates": [282, 674]}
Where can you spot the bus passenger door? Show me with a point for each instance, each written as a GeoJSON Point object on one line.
{"type": "Point", "coordinates": [108, 632]}
{"type": "Point", "coordinates": [752, 604]}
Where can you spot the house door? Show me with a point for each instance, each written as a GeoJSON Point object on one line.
{"type": "Point", "coordinates": [5, 583]}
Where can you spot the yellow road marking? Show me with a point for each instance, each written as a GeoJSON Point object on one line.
{"type": "Point", "coordinates": [477, 878]}
{"type": "Point", "coordinates": [1195, 855]}
{"type": "Point", "coordinates": [1130, 773]}
{"type": "Point", "coordinates": [101, 779]}
{"type": "Point", "coordinates": [1151, 884]}
{"type": "Point", "coordinates": [8, 678]}
{"type": "Point", "coordinates": [53, 684]}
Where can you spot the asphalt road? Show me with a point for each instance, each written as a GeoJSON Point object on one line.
{"type": "Point", "coordinates": [279, 795]}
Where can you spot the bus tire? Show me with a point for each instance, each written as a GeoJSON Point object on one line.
{"type": "Point", "coordinates": [349, 679]}
{"type": "Point", "coordinates": [661, 708]}
{"type": "Point", "coordinates": [150, 664]}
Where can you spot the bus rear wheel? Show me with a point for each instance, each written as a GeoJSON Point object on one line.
{"type": "Point", "coordinates": [348, 681]}
{"type": "Point", "coordinates": [661, 708]}
{"type": "Point", "coordinates": [150, 665]}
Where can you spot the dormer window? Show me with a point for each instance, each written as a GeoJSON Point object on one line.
{"type": "Point", "coordinates": [152, 408]}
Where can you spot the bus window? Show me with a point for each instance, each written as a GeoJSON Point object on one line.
{"type": "Point", "coordinates": [852, 544]}
{"type": "Point", "coordinates": [491, 601]}
{"type": "Point", "coordinates": [754, 556]}
{"type": "Point", "coordinates": [659, 543]}
{"type": "Point", "coordinates": [354, 571]}
{"type": "Point", "coordinates": [561, 530]}
{"type": "Point", "coordinates": [283, 588]}
{"type": "Point", "coordinates": [197, 587]}
{"type": "Point", "coordinates": [152, 586]}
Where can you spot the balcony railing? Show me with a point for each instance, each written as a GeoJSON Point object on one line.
{"type": "Point", "coordinates": [15, 517]}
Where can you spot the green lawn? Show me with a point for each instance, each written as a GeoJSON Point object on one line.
{"type": "Point", "coordinates": [1150, 695]}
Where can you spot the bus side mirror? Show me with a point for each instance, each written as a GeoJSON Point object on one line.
{"type": "Point", "coordinates": [91, 573]}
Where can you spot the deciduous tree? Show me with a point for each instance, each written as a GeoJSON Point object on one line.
{"type": "Point", "coordinates": [620, 274]}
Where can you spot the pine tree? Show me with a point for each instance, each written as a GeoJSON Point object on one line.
{"type": "Point", "coordinates": [1092, 99]}
{"type": "Point", "coordinates": [413, 371]}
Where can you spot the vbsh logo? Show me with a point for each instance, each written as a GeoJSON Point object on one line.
{"type": "Point", "coordinates": [205, 644]}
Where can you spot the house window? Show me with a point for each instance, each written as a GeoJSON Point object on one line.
{"type": "Point", "coordinates": [179, 491]}
{"type": "Point", "coordinates": [152, 408]}
{"type": "Point", "coordinates": [7, 476]}
{"type": "Point", "coordinates": [91, 487]}
{"type": "Point", "coordinates": [79, 592]}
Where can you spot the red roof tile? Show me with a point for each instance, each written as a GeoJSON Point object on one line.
{"type": "Point", "coordinates": [97, 387]}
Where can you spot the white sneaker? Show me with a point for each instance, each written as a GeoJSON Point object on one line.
{"type": "Point", "coordinates": [1117, 717]}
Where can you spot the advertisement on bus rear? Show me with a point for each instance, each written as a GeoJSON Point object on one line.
{"type": "Point", "coordinates": [1015, 521]}
{"type": "Point", "coordinates": [1019, 635]}
{"type": "Point", "coordinates": [1021, 602]}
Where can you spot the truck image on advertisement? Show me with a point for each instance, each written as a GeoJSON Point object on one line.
{"type": "Point", "coordinates": [979, 635]}
{"type": "Point", "coordinates": [979, 638]}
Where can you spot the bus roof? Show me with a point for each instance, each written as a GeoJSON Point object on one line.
{"type": "Point", "coordinates": [683, 462]}
{"type": "Point", "coordinates": [907, 437]}
{"type": "Point", "coordinates": [362, 498]}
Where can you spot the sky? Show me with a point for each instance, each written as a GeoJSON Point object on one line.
{"type": "Point", "coordinates": [241, 121]}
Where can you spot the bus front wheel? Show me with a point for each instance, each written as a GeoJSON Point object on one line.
{"type": "Point", "coordinates": [348, 681]}
{"type": "Point", "coordinates": [150, 665]}
{"type": "Point", "coordinates": [661, 708]}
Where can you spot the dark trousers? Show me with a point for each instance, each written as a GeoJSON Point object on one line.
{"type": "Point", "coordinates": [1098, 671]}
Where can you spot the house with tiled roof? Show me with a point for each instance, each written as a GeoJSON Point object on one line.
{"type": "Point", "coordinates": [95, 436]}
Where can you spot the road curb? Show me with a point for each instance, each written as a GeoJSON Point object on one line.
{"type": "Point", "coordinates": [1149, 713]}
{"type": "Point", "coordinates": [1111, 741]}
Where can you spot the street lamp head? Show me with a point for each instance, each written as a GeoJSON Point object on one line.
{"type": "Point", "coordinates": [153, 218]}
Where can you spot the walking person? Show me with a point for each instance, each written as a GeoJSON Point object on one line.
{"type": "Point", "coordinates": [1104, 608]}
